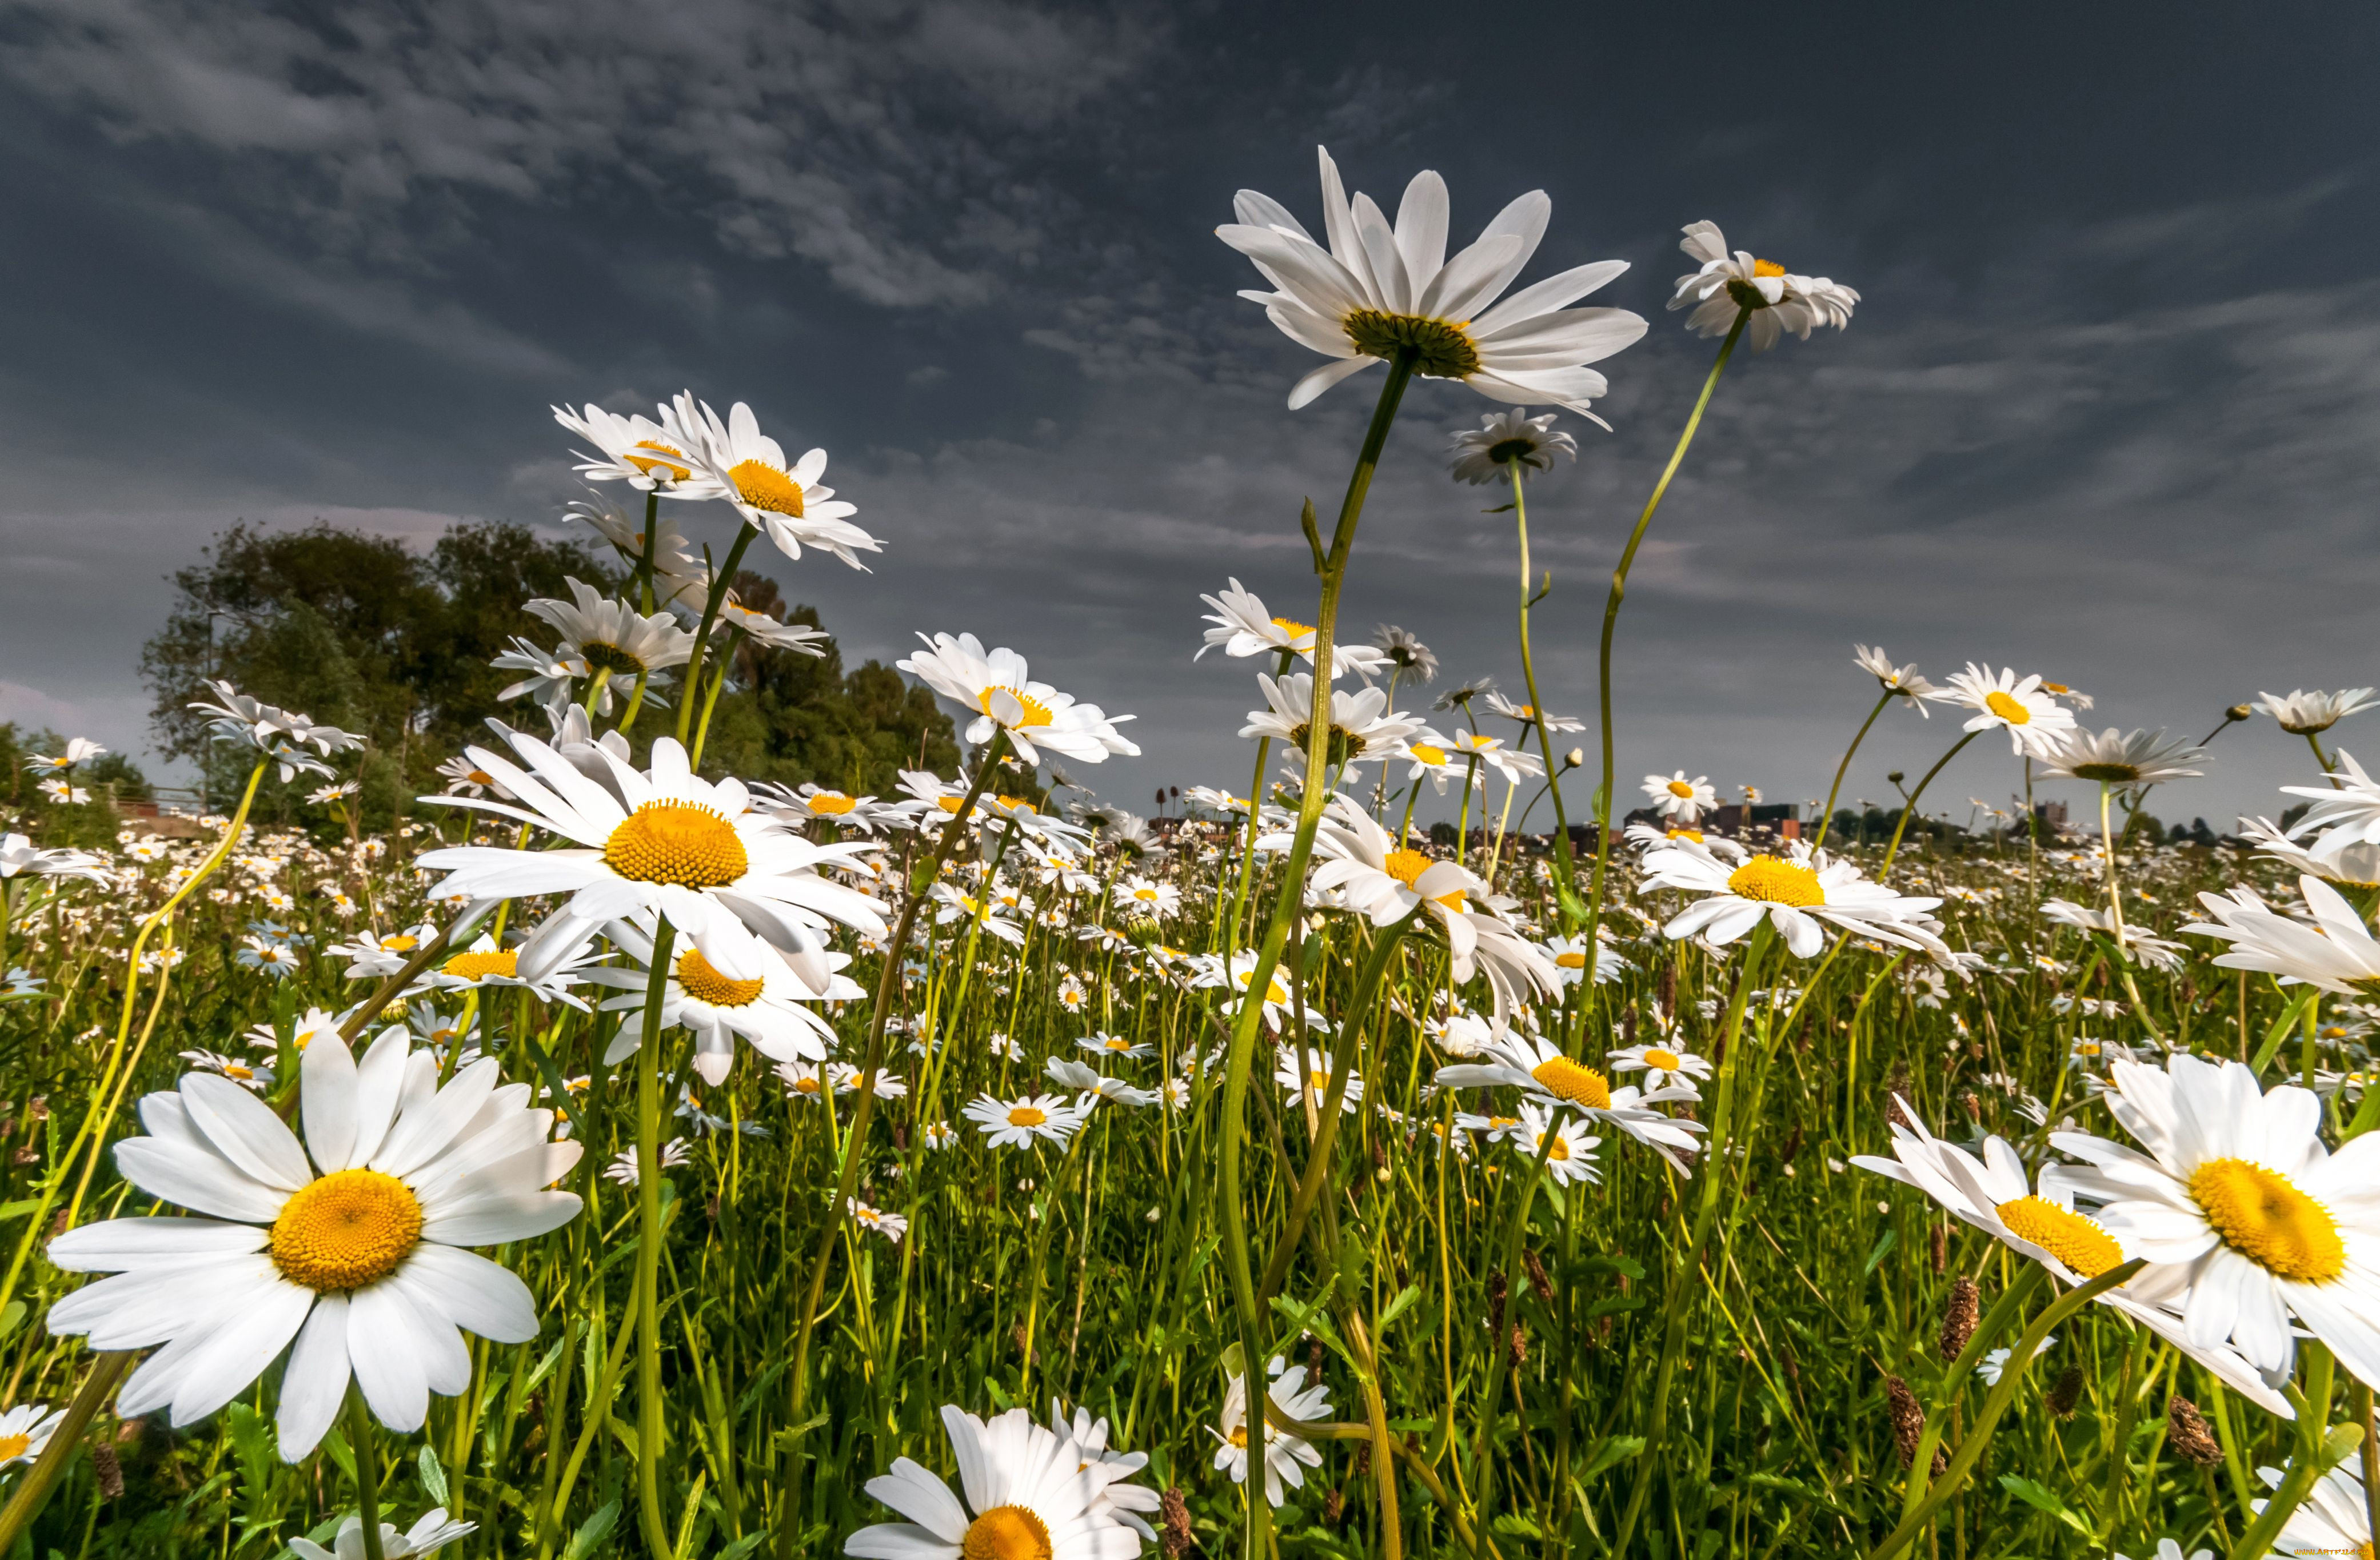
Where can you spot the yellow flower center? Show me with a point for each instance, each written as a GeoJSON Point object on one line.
{"type": "Point", "coordinates": [679, 842]}
{"type": "Point", "coordinates": [1774, 880]}
{"type": "Point", "coordinates": [949, 804]}
{"type": "Point", "coordinates": [480, 964]}
{"type": "Point", "coordinates": [1565, 1080]}
{"type": "Point", "coordinates": [1240, 1437]}
{"type": "Point", "coordinates": [1442, 348]}
{"type": "Point", "coordinates": [1427, 753]}
{"type": "Point", "coordinates": [1693, 835]}
{"type": "Point", "coordinates": [609, 658]}
{"type": "Point", "coordinates": [14, 1446]}
{"type": "Point", "coordinates": [1407, 866]}
{"type": "Point", "coordinates": [1569, 961]}
{"type": "Point", "coordinates": [2078, 1242]}
{"type": "Point", "coordinates": [1292, 627]}
{"type": "Point", "coordinates": [347, 1230]}
{"type": "Point", "coordinates": [1767, 268]}
{"type": "Point", "coordinates": [481, 777]}
{"type": "Point", "coordinates": [399, 943]}
{"type": "Point", "coordinates": [1275, 994]}
{"type": "Point", "coordinates": [1559, 1148]}
{"type": "Point", "coordinates": [1006, 1532]}
{"type": "Point", "coordinates": [699, 980]}
{"type": "Point", "coordinates": [2263, 1216]}
{"type": "Point", "coordinates": [1026, 1115]}
{"type": "Point", "coordinates": [1666, 1061]}
{"type": "Point", "coordinates": [833, 803]}
{"type": "Point", "coordinates": [2055, 688]}
{"type": "Point", "coordinates": [1036, 712]}
{"type": "Point", "coordinates": [764, 487]}
{"type": "Point", "coordinates": [805, 1086]}
{"type": "Point", "coordinates": [1318, 1083]}
{"type": "Point", "coordinates": [1680, 789]}
{"type": "Point", "coordinates": [669, 469]}
{"type": "Point", "coordinates": [1148, 893]}
{"type": "Point", "coordinates": [233, 1070]}
{"type": "Point", "coordinates": [2007, 708]}
{"type": "Point", "coordinates": [1117, 1042]}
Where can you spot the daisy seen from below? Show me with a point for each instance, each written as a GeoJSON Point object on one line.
{"type": "Point", "coordinates": [1287, 1455]}
{"type": "Point", "coordinates": [635, 450]}
{"type": "Point", "coordinates": [2302, 713]}
{"type": "Point", "coordinates": [662, 840]}
{"type": "Point", "coordinates": [994, 684]}
{"type": "Point", "coordinates": [1769, 299]}
{"type": "Point", "coordinates": [2335, 953]}
{"type": "Point", "coordinates": [612, 638]}
{"type": "Point", "coordinates": [1015, 1124]}
{"type": "Point", "coordinates": [1680, 800]}
{"type": "Point", "coordinates": [2144, 758]}
{"type": "Point", "coordinates": [1242, 628]}
{"type": "Point", "coordinates": [1506, 440]}
{"type": "Point", "coordinates": [2246, 1218]}
{"type": "Point", "coordinates": [1913, 690]}
{"type": "Point", "coordinates": [1030, 1494]}
{"type": "Point", "coordinates": [1405, 651]}
{"type": "Point", "coordinates": [1378, 290]}
{"type": "Point", "coordinates": [1362, 726]}
{"type": "Point", "coordinates": [781, 499]}
{"type": "Point", "coordinates": [348, 1244]}
{"type": "Point", "coordinates": [1801, 893]}
{"type": "Point", "coordinates": [2035, 722]}
{"type": "Point", "coordinates": [2347, 810]}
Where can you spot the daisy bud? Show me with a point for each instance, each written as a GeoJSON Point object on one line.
{"type": "Point", "coordinates": [2238, 713]}
{"type": "Point", "coordinates": [2065, 1393]}
{"type": "Point", "coordinates": [1575, 759]}
{"type": "Point", "coordinates": [1908, 1423]}
{"type": "Point", "coordinates": [2186, 1431]}
{"type": "Point", "coordinates": [1959, 1318]}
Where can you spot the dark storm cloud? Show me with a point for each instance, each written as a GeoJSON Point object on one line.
{"type": "Point", "coordinates": [2109, 409]}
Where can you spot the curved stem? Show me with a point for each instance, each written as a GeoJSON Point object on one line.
{"type": "Point", "coordinates": [1566, 890]}
{"type": "Point", "coordinates": [65, 1442]}
{"type": "Point", "coordinates": [649, 1250]}
{"type": "Point", "coordinates": [2306, 1464]}
{"type": "Point", "coordinates": [1828, 817]}
{"type": "Point", "coordinates": [719, 585]}
{"type": "Point", "coordinates": [1909, 807]}
{"type": "Point", "coordinates": [1611, 620]}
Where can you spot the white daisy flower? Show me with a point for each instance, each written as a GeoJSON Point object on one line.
{"type": "Point", "coordinates": [1031, 1495]}
{"type": "Point", "coordinates": [1528, 714]}
{"type": "Point", "coordinates": [1287, 1456]}
{"type": "Point", "coordinates": [1242, 628]}
{"type": "Point", "coordinates": [2111, 758]}
{"type": "Point", "coordinates": [1123, 1501]}
{"type": "Point", "coordinates": [635, 450]}
{"type": "Point", "coordinates": [2304, 713]}
{"type": "Point", "coordinates": [278, 734]}
{"type": "Point", "coordinates": [1281, 995]}
{"type": "Point", "coordinates": [623, 1167]}
{"type": "Point", "coordinates": [616, 643]}
{"type": "Point", "coordinates": [2245, 1217]}
{"type": "Point", "coordinates": [782, 499]}
{"type": "Point", "coordinates": [25, 1432]}
{"type": "Point", "coordinates": [1539, 1068]}
{"type": "Point", "coordinates": [1569, 956]}
{"type": "Point", "coordinates": [1662, 1067]}
{"type": "Point", "coordinates": [1016, 1123]}
{"type": "Point", "coordinates": [2335, 1519]}
{"type": "Point", "coordinates": [2336, 855]}
{"type": "Point", "coordinates": [1676, 797]}
{"type": "Point", "coordinates": [662, 840]}
{"type": "Point", "coordinates": [2347, 809]}
{"type": "Point", "coordinates": [78, 750]}
{"type": "Point", "coordinates": [1913, 689]}
{"type": "Point", "coordinates": [1405, 651]}
{"type": "Point", "coordinates": [821, 804]}
{"type": "Point", "coordinates": [892, 1227]}
{"type": "Point", "coordinates": [1797, 892]}
{"type": "Point", "coordinates": [993, 683]}
{"type": "Point", "coordinates": [1486, 454]}
{"type": "Point", "coordinates": [1147, 899]}
{"type": "Point", "coordinates": [348, 1244]}
{"type": "Point", "coordinates": [19, 857]}
{"type": "Point", "coordinates": [433, 1532]}
{"type": "Point", "coordinates": [2035, 720]}
{"type": "Point", "coordinates": [1315, 1082]}
{"type": "Point", "coordinates": [751, 990]}
{"type": "Point", "coordinates": [1996, 1360]}
{"type": "Point", "coordinates": [1492, 752]}
{"type": "Point", "coordinates": [1570, 1155]}
{"type": "Point", "coordinates": [1380, 289]}
{"type": "Point", "coordinates": [1733, 284]}
{"type": "Point", "coordinates": [1115, 1045]}
{"type": "Point", "coordinates": [2335, 953]}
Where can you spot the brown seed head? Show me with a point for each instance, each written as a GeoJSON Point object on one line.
{"type": "Point", "coordinates": [2187, 1432]}
{"type": "Point", "coordinates": [1960, 1316]}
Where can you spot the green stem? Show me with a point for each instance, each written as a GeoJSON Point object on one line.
{"type": "Point", "coordinates": [1611, 621]}
{"type": "Point", "coordinates": [1828, 817]}
{"type": "Point", "coordinates": [649, 1250]}
{"type": "Point", "coordinates": [1909, 807]}
{"type": "Point", "coordinates": [65, 1442]}
{"type": "Point", "coordinates": [1566, 873]}
{"type": "Point", "coordinates": [719, 585]}
{"type": "Point", "coordinates": [359, 1433]}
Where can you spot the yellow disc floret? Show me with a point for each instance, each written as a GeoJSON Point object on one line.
{"type": "Point", "coordinates": [764, 487]}
{"type": "Point", "coordinates": [1036, 712]}
{"type": "Point", "coordinates": [669, 469]}
{"type": "Point", "coordinates": [1405, 866]}
{"type": "Point", "coordinates": [1565, 1080]}
{"type": "Point", "coordinates": [1292, 627]}
{"type": "Point", "coordinates": [2078, 1242]}
{"type": "Point", "coordinates": [1441, 348]}
{"type": "Point", "coordinates": [1026, 1115]}
{"type": "Point", "coordinates": [348, 1229]}
{"type": "Point", "coordinates": [1682, 791]}
{"type": "Point", "coordinates": [699, 980]}
{"type": "Point", "coordinates": [2007, 708]}
{"type": "Point", "coordinates": [2262, 1216]}
{"type": "Point", "coordinates": [1006, 1532]}
{"type": "Point", "coordinates": [680, 842]}
{"type": "Point", "coordinates": [1664, 1061]}
{"type": "Point", "coordinates": [1772, 880]}
{"type": "Point", "coordinates": [480, 964]}
{"type": "Point", "coordinates": [834, 804]}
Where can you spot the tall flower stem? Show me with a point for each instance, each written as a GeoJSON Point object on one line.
{"type": "Point", "coordinates": [888, 986]}
{"type": "Point", "coordinates": [33, 1488]}
{"type": "Point", "coordinates": [1827, 818]}
{"type": "Point", "coordinates": [360, 1431]}
{"type": "Point", "coordinates": [649, 1250]}
{"type": "Point", "coordinates": [719, 585]}
{"type": "Point", "coordinates": [1255, 811]}
{"type": "Point", "coordinates": [1565, 889]}
{"type": "Point", "coordinates": [1333, 567]}
{"type": "Point", "coordinates": [1909, 807]}
{"type": "Point", "coordinates": [2116, 909]}
{"type": "Point", "coordinates": [1611, 621]}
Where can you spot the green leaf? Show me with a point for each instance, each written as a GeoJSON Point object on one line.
{"type": "Point", "coordinates": [2042, 1499]}
{"type": "Point", "coordinates": [1618, 1449]}
{"type": "Point", "coordinates": [593, 1532]}
{"type": "Point", "coordinates": [1891, 1239]}
{"type": "Point", "coordinates": [2341, 1443]}
{"type": "Point", "coordinates": [1405, 1298]}
{"type": "Point", "coordinates": [433, 1477]}
{"type": "Point", "coordinates": [11, 1318]}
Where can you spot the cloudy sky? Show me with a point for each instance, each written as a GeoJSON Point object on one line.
{"type": "Point", "coordinates": [2109, 410]}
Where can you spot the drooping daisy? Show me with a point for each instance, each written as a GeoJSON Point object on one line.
{"type": "Point", "coordinates": [799, 638]}
{"type": "Point", "coordinates": [616, 643]}
{"type": "Point", "coordinates": [1913, 689]}
{"type": "Point", "coordinates": [1405, 651]}
{"type": "Point", "coordinates": [1242, 628]}
{"type": "Point", "coordinates": [278, 734]}
{"type": "Point", "coordinates": [2038, 1220]}
{"type": "Point", "coordinates": [1528, 714]}
{"type": "Point", "coordinates": [1124, 1501]}
{"type": "Point", "coordinates": [2302, 713]}
{"type": "Point", "coordinates": [1797, 892]}
{"type": "Point", "coordinates": [1678, 798]}
{"type": "Point", "coordinates": [751, 989]}
{"type": "Point", "coordinates": [2245, 1217]}
{"type": "Point", "coordinates": [348, 1243]}
{"type": "Point", "coordinates": [1016, 1123]}
{"type": "Point", "coordinates": [1506, 439]}
{"type": "Point", "coordinates": [2144, 758]}
{"type": "Point", "coordinates": [1287, 1455]}
{"type": "Point", "coordinates": [2335, 953]}
{"type": "Point", "coordinates": [1380, 289]}
{"type": "Point", "coordinates": [25, 1432]}
{"type": "Point", "coordinates": [623, 1168]}
{"type": "Point", "coordinates": [782, 499]}
{"type": "Point", "coordinates": [993, 683]}
{"type": "Point", "coordinates": [433, 1532]}
{"type": "Point", "coordinates": [1540, 1069]}
{"type": "Point", "coordinates": [635, 450]}
{"type": "Point", "coordinates": [2035, 720]}
{"type": "Point", "coordinates": [1031, 1495]}
{"type": "Point", "coordinates": [660, 840]}
{"type": "Point", "coordinates": [1662, 1067]}
{"type": "Point", "coordinates": [1729, 285]}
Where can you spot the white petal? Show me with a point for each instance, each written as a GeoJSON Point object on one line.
{"type": "Point", "coordinates": [315, 1380]}
{"type": "Point", "coordinates": [244, 1130]}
